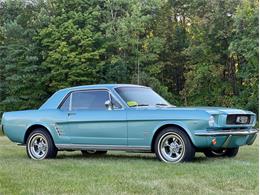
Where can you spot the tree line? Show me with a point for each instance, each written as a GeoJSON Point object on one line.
{"type": "Point", "coordinates": [192, 52]}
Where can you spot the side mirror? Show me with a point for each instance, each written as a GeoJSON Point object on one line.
{"type": "Point", "coordinates": [109, 105]}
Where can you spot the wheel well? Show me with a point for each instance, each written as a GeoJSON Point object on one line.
{"type": "Point", "coordinates": [162, 128]}
{"type": "Point", "coordinates": [31, 129]}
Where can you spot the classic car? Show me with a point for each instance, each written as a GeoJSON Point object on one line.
{"type": "Point", "coordinates": [98, 118]}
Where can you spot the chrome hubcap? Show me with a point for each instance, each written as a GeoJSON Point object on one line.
{"type": "Point", "coordinates": [91, 151]}
{"type": "Point", "coordinates": [38, 146]}
{"type": "Point", "coordinates": [172, 147]}
{"type": "Point", "coordinates": [218, 152]}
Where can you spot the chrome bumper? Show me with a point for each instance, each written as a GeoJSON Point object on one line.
{"type": "Point", "coordinates": [250, 135]}
{"type": "Point", "coordinates": [225, 132]}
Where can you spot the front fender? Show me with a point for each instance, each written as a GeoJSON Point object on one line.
{"type": "Point", "coordinates": [196, 140]}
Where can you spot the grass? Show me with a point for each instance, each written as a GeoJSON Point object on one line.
{"type": "Point", "coordinates": [126, 173]}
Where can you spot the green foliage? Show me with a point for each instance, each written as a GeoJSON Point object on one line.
{"type": "Point", "coordinates": [191, 52]}
{"type": "Point", "coordinates": [131, 46]}
{"type": "Point", "coordinates": [21, 74]}
{"type": "Point", "coordinates": [71, 44]}
{"type": "Point", "coordinates": [244, 47]}
{"type": "Point", "coordinates": [171, 27]}
{"type": "Point", "coordinates": [219, 71]}
{"type": "Point", "coordinates": [208, 83]}
{"type": "Point", "coordinates": [210, 77]}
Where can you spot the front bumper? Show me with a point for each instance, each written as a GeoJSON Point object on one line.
{"type": "Point", "coordinates": [225, 132]}
{"type": "Point", "coordinates": [228, 138]}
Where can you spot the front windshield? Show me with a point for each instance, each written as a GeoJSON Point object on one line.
{"type": "Point", "coordinates": [140, 96]}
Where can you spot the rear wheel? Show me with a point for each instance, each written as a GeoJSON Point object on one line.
{"type": "Point", "coordinates": [93, 152]}
{"type": "Point", "coordinates": [229, 152]}
{"type": "Point", "coordinates": [232, 152]}
{"type": "Point", "coordinates": [39, 145]}
{"type": "Point", "coordinates": [172, 145]}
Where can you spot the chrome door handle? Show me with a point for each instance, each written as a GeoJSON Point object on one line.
{"type": "Point", "coordinates": [71, 113]}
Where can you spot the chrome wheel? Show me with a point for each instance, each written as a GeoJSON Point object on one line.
{"type": "Point", "coordinates": [229, 152]}
{"type": "Point", "coordinates": [219, 152]}
{"type": "Point", "coordinates": [38, 146]}
{"type": "Point", "coordinates": [172, 147]}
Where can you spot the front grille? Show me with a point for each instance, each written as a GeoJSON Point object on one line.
{"type": "Point", "coordinates": [238, 119]}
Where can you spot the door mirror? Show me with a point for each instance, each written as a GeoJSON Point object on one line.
{"type": "Point", "coordinates": [109, 105]}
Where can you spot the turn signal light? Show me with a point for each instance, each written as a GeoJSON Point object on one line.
{"type": "Point", "coordinates": [214, 141]}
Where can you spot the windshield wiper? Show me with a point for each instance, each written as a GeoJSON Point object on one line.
{"type": "Point", "coordinates": [137, 105]}
{"type": "Point", "coordinates": [161, 104]}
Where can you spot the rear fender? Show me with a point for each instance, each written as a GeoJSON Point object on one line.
{"type": "Point", "coordinates": [49, 128]}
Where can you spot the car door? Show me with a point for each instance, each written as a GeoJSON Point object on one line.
{"type": "Point", "coordinates": [91, 122]}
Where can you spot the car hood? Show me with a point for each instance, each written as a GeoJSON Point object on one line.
{"type": "Point", "coordinates": [210, 110]}
{"type": "Point", "coordinates": [223, 110]}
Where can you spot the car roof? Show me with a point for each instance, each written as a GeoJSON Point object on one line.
{"type": "Point", "coordinates": [99, 86]}
{"type": "Point", "coordinates": [56, 98]}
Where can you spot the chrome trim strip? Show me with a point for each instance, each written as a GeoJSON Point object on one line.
{"type": "Point", "coordinates": [101, 147]}
{"type": "Point", "coordinates": [90, 89]}
{"type": "Point", "coordinates": [225, 132]}
{"type": "Point", "coordinates": [70, 104]}
{"type": "Point", "coordinates": [58, 130]}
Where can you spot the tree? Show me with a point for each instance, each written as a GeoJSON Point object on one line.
{"type": "Point", "coordinates": [132, 49]}
{"type": "Point", "coordinates": [244, 48]}
{"type": "Point", "coordinates": [193, 52]}
{"type": "Point", "coordinates": [211, 70]}
{"type": "Point", "coordinates": [71, 44]}
{"type": "Point", "coordinates": [172, 22]}
{"type": "Point", "coordinates": [21, 74]}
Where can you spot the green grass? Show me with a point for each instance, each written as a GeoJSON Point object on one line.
{"type": "Point", "coordinates": [126, 173]}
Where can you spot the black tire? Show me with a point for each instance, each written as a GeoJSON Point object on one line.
{"type": "Point", "coordinates": [232, 152]}
{"type": "Point", "coordinates": [93, 152]}
{"type": "Point", "coordinates": [51, 150]}
{"type": "Point", "coordinates": [101, 152]}
{"type": "Point", "coordinates": [164, 150]}
{"type": "Point", "coordinates": [229, 152]}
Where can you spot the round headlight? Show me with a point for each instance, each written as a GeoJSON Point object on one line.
{"type": "Point", "coordinates": [211, 121]}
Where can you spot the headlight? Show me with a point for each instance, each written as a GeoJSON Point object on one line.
{"type": "Point", "coordinates": [211, 121]}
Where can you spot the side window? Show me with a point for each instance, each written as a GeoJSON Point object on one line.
{"type": "Point", "coordinates": [66, 104]}
{"type": "Point", "coordinates": [89, 100]}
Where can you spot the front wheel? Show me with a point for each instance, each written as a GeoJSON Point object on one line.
{"type": "Point", "coordinates": [229, 152]}
{"type": "Point", "coordinates": [173, 145]}
{"type": "Point", "coordinates": [39, 145]}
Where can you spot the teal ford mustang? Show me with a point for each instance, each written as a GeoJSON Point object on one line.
{"type": "Point", "coordinates": [98, 118]}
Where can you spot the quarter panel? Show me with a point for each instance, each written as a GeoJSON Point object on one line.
{"type": "Point", "coordinates": [17, 123]}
